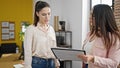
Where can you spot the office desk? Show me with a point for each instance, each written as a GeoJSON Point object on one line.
{"type": "Point", "coordinates": [8, 60]}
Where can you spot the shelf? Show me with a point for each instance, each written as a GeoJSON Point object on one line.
{"type": "Point", "coordinates": [64, 39]}
{"type": "Point", "coordinates": [66, 46]}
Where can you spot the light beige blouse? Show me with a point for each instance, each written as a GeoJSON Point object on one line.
{"type": "Point", "coordinates": [38, 43]}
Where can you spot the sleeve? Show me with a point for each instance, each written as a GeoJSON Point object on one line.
{"type": "Point", "coordinates": [27, 48]}
{"type": "Point", "coordinates": [54, 45]}
{"type": "Point", "coordinates": [113, 59]}
{"type": "Point", "coordinates": [54, 37]}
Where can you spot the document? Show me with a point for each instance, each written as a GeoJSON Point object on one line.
{"type": "Point", "coordinates": [67, 53]}
{"type": "Point", "coordinates": [18, 66]}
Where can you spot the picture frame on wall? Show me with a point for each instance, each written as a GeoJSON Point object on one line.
{"type": "Point", "coordinates": [7, 30]}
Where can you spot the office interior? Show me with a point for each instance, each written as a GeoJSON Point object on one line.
{"type": "Point", "coordinates": [75, 13]}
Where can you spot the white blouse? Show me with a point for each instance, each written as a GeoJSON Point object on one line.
{"type": "Point", "coordinates": [38, 43]}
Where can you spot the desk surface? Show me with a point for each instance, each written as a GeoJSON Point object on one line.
{"type": "Point", "coordinates": [8, 60]}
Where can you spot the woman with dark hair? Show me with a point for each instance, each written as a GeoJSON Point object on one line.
{"type": "Point", "coordinates": [103, 41]}
{"type": "Point", "coordinates": [39, 39]}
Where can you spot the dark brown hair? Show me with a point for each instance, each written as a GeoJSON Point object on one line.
{"type": "Point", "coordinates": [105, 25]}
{"type": "Point", "coordinates": [38, 7]}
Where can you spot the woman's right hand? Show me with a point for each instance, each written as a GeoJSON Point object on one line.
{"type": "Point", "coordinates": [86, 58]}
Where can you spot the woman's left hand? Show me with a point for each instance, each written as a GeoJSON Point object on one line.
{"type": "Point", "coordinates": [86, 58]}
{"type": "Point", "coordinates": [57, 67]}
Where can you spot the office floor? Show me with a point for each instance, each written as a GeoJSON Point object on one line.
{"type": "Point", "coordinates": [8, 60]}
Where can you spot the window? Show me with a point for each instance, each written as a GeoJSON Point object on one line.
{"type": "Point", "coordinates": [95, 2]}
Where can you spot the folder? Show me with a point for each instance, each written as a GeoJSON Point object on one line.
{"type": "Point", "coordinates": [67, 53]}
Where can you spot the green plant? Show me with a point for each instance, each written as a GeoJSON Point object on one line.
{"type": "Point", "coordinates": [21, 34]}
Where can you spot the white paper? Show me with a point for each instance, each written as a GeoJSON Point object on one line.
{"type": "Point", "coordinates": [67, 54]}
{"type": "Point", "coordinates": [5, 30]}
{"type": "Point", "coordinates": [18, 66]}
{"type": "Point", "coordinates": [11, 26]}
{"type": "Point", "coordinates": [11, 34]}
{"type": "Point", "coordinates": [5, 37]}
{"type": "Point", "coordinates": [5, 24]}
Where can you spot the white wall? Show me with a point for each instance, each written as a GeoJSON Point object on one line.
{"type": "Point", "coordinates": [55, 8]}
{"type": "Point", "coordinates": [72, 13]}
{"type": "Point", "coordinates": [75, 13]}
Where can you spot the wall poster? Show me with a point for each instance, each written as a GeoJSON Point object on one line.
{"type": "Point", "coordinates": [7, 30]}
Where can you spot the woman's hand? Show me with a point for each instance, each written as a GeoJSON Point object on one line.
{"type": "Point", "coordinates": [86, 58]}
{"type": "Point", "coordinates": [57, 67]}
